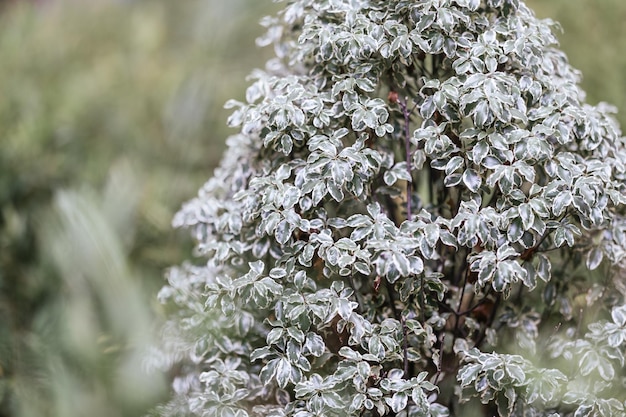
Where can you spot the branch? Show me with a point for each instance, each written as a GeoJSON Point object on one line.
{"type": "Point", "coordinates": [409, 157]}
{"type": "Point", "coordinates": [483, 333]}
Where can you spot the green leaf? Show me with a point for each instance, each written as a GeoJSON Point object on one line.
{"type": "Point", "coordinates": [517, 373]}
{"type": "Point", "coordinates": [260, 353]}
{"type": "Point", "coordinates": [584, 410]}
{"type": "Point", "coordinates": [269, 371]}
{"type": "Point", "coordinates": [543, 267]}
{"type": "Point", "coordinates": [375, 347]}
{"type": "Point", "coordinates": [468, 373]}
{"type": "Point", "coordinates": [335, 191]}
{"type": "Point", "coordinates": [284, 231]}
{"type": "Point", "coordinates": [315, 344]}
{"type": "Point", "coordinates": [357, 402]}
{"type": "Point", "coordinates": [293, 351]}
{"type": "Point", "coordinates": [283, 372]}
{"type": "Point", "coordinates": [296, 334]}
{"type": "Point", "coordinates": [480, 151]}
{"type": "Point", "coordinates": [345, 308]}
{"type": "Point", "coordinates": [333, 400]}
{"type": "Point", "coordinates": [619, 315]}
{"type": "Point", "coordinates": [291, 195]}
{"type": "Point", "coordinates": [526, 215]}
{"type": "Point", "coordinates": [274, 335]}
{"type": "Point", "coordinates": [278, 273]}
{"type": "Point", "coordinates": [402, 263]}
{"type": "Point", "coordinates": [454, 164]}
{"type": "Point", "coordinates": [605, 369]}
{"type": "Point", "coordinates": [594, 258]}
{"type": "Point", "coordinates": [363, 268]}
{"type": "Point", "coordinates": [516, 230]}
{"type": "Point", "coordinates": [472, 180]}
{"type": "Point", "coordinates": [398, 401]}
{"type": "Point", "coordinates": [561, 202]}
{"type": "Point", "coordinates": [348, 353]}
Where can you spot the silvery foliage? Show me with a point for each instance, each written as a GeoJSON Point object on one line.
{"type": "Point", "coordinates": [419, 214]}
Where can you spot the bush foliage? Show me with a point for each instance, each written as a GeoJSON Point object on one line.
{"type": "Point", "coordinates": [420, 216]}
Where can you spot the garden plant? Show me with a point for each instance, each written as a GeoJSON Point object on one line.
{"type": "Point", "coordinates": [419, 216]}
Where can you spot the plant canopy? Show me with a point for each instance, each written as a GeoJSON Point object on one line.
{"type": "Point", "coordinates": [420, 216]}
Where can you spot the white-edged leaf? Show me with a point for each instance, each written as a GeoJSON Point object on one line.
{"type": "Point", "coordinates": [397, 402]}
{"type": "Point", "coordinates": [561, 202]}
{"type": "Point", "coordinates": [332, 399]}
{"type": "Point", "coordinates": [594, 258]}
{"type": "Point", "coordinates": [472, 180]}
{"type": "Point", "coordinates": [402, 263]}
{"type": "Point", "coordinates": [283, 372]}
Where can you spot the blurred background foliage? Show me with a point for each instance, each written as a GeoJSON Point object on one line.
{"type": "Point", "coordinates": [110, 117]}
{"type": "Point", "coordinates": [594, 38]}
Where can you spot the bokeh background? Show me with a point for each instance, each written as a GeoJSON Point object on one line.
{"type": "Point", "coordinates": [110, 117]}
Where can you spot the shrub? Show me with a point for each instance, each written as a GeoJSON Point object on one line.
{"type": "Point", "coordinates": [419, 216]}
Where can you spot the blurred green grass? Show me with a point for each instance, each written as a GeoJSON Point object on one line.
{"type": "Point", "coordinates": [594, 38]}
{"type": "Point", "coordinates": [110, 116]}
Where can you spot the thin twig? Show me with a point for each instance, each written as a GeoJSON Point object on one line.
{"type": "Point", "coordinates": [492, 317]}
{"type": "Point", "coordinates": [420, 299]}
{"type": "Point", "coordinates": [405, 347]}
{"type": "Point", "coordinates": [457, 316]}
{"type": "Point", "coordinates": [409, 157]}
{"type": "Point", "coordinates": [438, 374]}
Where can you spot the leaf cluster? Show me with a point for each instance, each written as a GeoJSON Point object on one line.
{"type": "Point", "coordinates": [414, 185]}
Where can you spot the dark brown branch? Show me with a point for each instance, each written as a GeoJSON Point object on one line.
{"type": "Point", "coordinates": [407, 148]}
{"type": "Point", "coordinates": [489, 323]}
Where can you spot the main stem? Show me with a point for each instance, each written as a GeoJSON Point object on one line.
{"type": "Point", "coordinates": [409, 215]}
